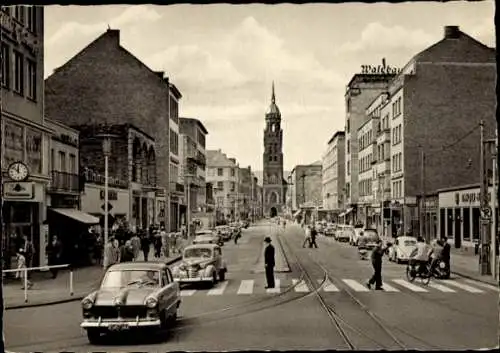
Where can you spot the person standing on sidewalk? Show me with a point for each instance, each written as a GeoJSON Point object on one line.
{"type": "Point", "coordinates": [377, 255]}
{"type": "Point", "coordinates": [307, 239]}
{"type": "Point", "coordinates": [269, 263]}
{"type": "Point", "coordinates": [21, 266]}
{"type": "Point", "coordinates": [54, 250]}
{"type": "Point", "coordinates": [111, 253]}
{"type": "Point", "coordinates": [127, 252]}
{"type": "Point", "coordinates": [136, 245]}
{"type": "Point", "coordinates": [29, 251]}
{"type": "Point", "coordinates": [446, 253]}
{"type": "Point", "coordinates": [145, 245]}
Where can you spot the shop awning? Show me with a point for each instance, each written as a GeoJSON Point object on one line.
{"type": "Point", "coordinates": [296, 213]}
{"type": "Point", "coordinates": [77, 215]}
{"type": "Point", "coordinates": [349, 210]}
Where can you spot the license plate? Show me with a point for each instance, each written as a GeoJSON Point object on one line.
{"type": "Point", "coordinates": [118, 327]}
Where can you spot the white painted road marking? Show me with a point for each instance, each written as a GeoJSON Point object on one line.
{"type": "Point", "coordinates": [358, 287]}
{"type": "Point", "coordinates": [246, 287]}
{"type": "Point", "coordinates": [464, 287]}
{"type": "Point", "coordinates": [187, 292]}
{"type": "Point", "coordinates": [301, 286]}
{"type": "Point", "coordinates": [409, 285]}
{"type": "Point", "coordinates": [389, 288]}
{"type": "Point", "coordinates": [219, 290]}
{"type": "Point", "coordinates": [440, 287]}
{"type": "Point", "coordinates": [484, 285]}
{"type": "Point", "coordinates": [276, 288]}
{"type": "Point", "coordinates": [328, 286]}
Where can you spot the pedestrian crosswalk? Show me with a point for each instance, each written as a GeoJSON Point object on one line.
{"type": "Point", "coordinates": [395, 285]}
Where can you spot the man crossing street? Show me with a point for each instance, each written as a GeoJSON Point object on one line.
{"type": "Point", "coordinates": [377, 255]}
{"type": "Point", "coordinates": [269, 263]}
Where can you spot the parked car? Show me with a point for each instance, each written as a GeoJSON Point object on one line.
{"type": "Point", "coordinates": [343, 232]}
{"type": "Point", "coordinates": [132, 295]}
{"type": "Point", "coordinates": [201, 263]}
{"type": "Point", "coordinates": [208, 237]}
{"type": "Point", "coordinates": [330, 229]}
{"type": "Point", "coordinates": [402, 249]}
{"type": "Point", "coordinates": [225, 232]}
{"type": "Point", "coordinates": [370, 237]}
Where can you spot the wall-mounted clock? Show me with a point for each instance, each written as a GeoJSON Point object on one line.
{"type": "Point", "coordinates": [18, 171]}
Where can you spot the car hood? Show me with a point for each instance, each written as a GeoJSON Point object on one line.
{"type": "Point", "coordinates": [127, 296]}
{"type": "Point", "coordinates": [407, 249]}
{"type": "Point", "coordinates": [193, 261]}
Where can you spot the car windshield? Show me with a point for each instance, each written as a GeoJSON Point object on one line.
{"type": "Point", "coordinates": [197, 252]}
{"type": "Point", "coordinates": [370, 235]}
{"type": "Point", "coordinates": [410, 242]}
{"type": "Point", "coordinates": [125, 278]}
{"type": "Point", "coordinates": [204, 234]}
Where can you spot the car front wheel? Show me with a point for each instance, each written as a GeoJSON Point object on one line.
{"type": "Point", "coordinates": [222, 275]}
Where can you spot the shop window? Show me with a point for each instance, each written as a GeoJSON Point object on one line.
{"type": "Point", "coordinates": [21, 213]}
{"type": "Point", "coordinates": [475, 223]}
{"type": "Point", "coordinates": [449, 226]}
{"type": "Point", "coordinates": [466, 217]}
{"type": "Point", "coordinates": [442, 222]}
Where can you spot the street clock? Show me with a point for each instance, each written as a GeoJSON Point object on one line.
{"type": "Point", "coordinates": [18, 171]}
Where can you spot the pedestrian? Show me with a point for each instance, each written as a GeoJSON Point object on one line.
{"type": "Point", "coordinates": [437, 252]}
{"type": "Point", "coordinates": [54, 251]}
{"type": "Point", "coordinates": [173, 242]}
{"type": "Point", "coordinates": [127, 252]}
{"type": "Point", "coordinates": [269, 262]}
{"type": "Point", "coordinates": [446, 253]}
{"type": "Point", "coordinates": [98, 247]}
{"type": "Point", "coordinates": [29, 251]}
{"type": "Point", "coordinates": [165, 244]}
{"type": "Point", "coordinates": [136, 245]}
{"type": "Point", "coordinates": [312, 242]}
{"type": "Point", "coordinates": [419, 258]}
{"type": "Point", "coordinates": [145, 245]}
{"type": "Point", "coordinates": [21, 266]}
{"type": "Point", "coordinates": [377, 255]}
{"type": "Point", "coordinates": [307, 239]}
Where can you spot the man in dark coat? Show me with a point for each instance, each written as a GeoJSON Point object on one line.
{"type": "Point", "coordinates": [377, 255]}
{"type": "Point", "coordinates": [269, 263]}
{"type": "Point", "coordinates": [314, 234]}
{"type": "Point", "coordinates": [54, 251]}
{"type": "Point", "coordinates": [446, 254]}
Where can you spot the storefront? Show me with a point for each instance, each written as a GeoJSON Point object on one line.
{"type": "Point", "coordinates": [460, 216]}
{"type": "Point", "coordinates": [92, 201]}
{"type": "Point", "coordinates": [431, 216]}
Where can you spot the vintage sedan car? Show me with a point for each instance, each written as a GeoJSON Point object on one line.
{"type": "Point", "coordinates": [330, 230]}
{"type": "Point", "coordinates": [132, 295]}
{"type": "Point", "coordinates": [201, 263]}
{"type": "Point", "coordinates": [208, 236]}
{"type": "Point", "coordinates": [224, 232]}
{"type": "Point", "coordinates": [402, 249]}
{"type": "Point", "coordinates": [344, 233]}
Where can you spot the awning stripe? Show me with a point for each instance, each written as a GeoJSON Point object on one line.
{"type": "Point", "coordinates": [77, 215]}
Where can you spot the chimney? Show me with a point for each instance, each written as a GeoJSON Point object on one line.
{"type": "Point", "coordinates": [115, 34]}
{"type": "Point", "coordinates": [233, 160]}
{"type": "Point", "coordinates": [451, 32]}
{"type": "Point", "coordinates": [160, 74]}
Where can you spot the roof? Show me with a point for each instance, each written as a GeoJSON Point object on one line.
{"type": "Point", "coordinates": [198, 122]}
{"type": "Point", "coordinates": [175, 91]}
{"type": "Point", "coordinates": [216, 158]}
{"type": "Point", "coordinates": [337, 134]}
{"type": "Point", "coordinates": [139, 265]}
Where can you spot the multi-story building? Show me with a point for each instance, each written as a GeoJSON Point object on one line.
{"type": "Point", "coordinates": [245, 192]}
{"type": "Point", "coordinates": [333, 175]}
{"type": "Point", "coordinates": [361, 91]}
{"type": "Point", "coordinates": [84, 91]}
{"type": "Point", "coordinates": [436, 105]}
{"type": "Point", "coordinates": [25, 138]}
{"type": "Point", "coordinates": [175, 164]}
{"type": "Point", "coordinates": [306, 189]}
{"type": "Point", "coordinates": [193, 136]}
{"type": "Point", "coordinates": [132, 174]}
{"type": "Point", "coordinates": [223, 173]}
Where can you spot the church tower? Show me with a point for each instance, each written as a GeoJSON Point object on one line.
{"type": "Point", "coordinates": [273, 183]}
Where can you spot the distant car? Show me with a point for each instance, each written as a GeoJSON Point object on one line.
{"type": "Point", "coordinates": [132, 295]}
{"type": "Point", "coordinates": [201, 263]}
{"type": "Point", "coordinates": [370, 237]}
{"type": "Point", "coordinates": [402, 249]}
{"type": "Point", "coordinates": [246, 223]}
{"type": "Point", "coordinates": [208, 237]}
{"type": "Point", "coordinates": [330, 229]}
{"type": "Point", "coordinates": [225, 232]}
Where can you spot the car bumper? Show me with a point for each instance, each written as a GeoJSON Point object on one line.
{"type": "Point", "coordinates": [193, 279]}
{"type": "Point", "coordinates": [113, 324]}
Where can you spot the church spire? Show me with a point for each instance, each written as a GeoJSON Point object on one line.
{"type": "Point", "coordinates": [273, 97]}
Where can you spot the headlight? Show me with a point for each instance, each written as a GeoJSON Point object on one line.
{"type": "Point", "coordinates": [87, 303]}
{"type": "Point", "coordinates": [151, 303]}
{"type": "Point", "coordinates": [181, 267]}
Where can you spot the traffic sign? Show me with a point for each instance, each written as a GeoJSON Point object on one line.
{"type": "Point", "coordinates": [110, 207]}
{"type": "Point", "coordinates": [486, 213]}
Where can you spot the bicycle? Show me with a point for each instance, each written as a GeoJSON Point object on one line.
{"type": "Point", "coordinates": [412, 272]}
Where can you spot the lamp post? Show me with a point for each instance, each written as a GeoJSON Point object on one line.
{"type": "Point", "coordinates": [188, 211]}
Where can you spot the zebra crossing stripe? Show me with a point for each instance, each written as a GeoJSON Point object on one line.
{"type": "Point", "coordinates": [301, 286]}
{"type": "Point", "coordinates": [410, 286]}
{"type": "Point", "coordinates": [389, 288]}
{"type": "Point", "coordinates": [246, 287]}
{"type": "Point", "coordinates": [441, 288]}
{"type": "Point", "coordinates": [276, 288]}
{"type": "Point", "coordinates": [355, 285]}
{"type": "Point", "coordinates": [484, 285]}
{"type": "Point", "coordinates": [187, 292]}
{"type": "Point", "coordinates": [218, 290]}
{"type": "Point", "coordinates": [465, 287]}
{"type": "Point", "coordinates": [328, 286]}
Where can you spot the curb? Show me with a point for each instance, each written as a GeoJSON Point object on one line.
{"type": "Point", "coordinates": [475, 279]}
{"type": "Point", "coordinates": [66, 300]}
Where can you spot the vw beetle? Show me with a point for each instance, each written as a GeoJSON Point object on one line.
{"type": "Point", "coordinates": [132, 295]}
{"type": "Point", "coordinates": [201, 263]}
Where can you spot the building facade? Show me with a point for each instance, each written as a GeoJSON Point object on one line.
{"type": "Point", "coordinates": [274, 186]}
{"type": "Point", "coordinates": [175, 163]}
{"type": "Point", "coordinates": [25, 136]}
{"type": "Point", "coordinates": [306, 190]}
{"type": "Point", "coordinates": [245, 192]}
{"type": "Point", "coordinates": [85, 92]}
{"type": "Point", "coordinates": [361, 91]}
{"type": "Point", "coordinates": [223, 173]}
{"type": "Point", "coordinates": [333, 175]}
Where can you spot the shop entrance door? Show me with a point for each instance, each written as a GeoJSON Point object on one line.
{"type": "Point", "coordinates": [458, 228]}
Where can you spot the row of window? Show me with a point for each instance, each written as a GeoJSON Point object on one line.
{"type": "Point", "coordinates": [273, 148]}
{"type": "Point", "coordinates": [397, 189]}
{"type": "Point", "coordinates": [396, 135]}
{"type": "Point", "coordinates": [174, 173]}
{"type": "Point", "coordinates": [220, 186]}
{"type": "Point", "coordinates": [18, 72]}
{"type": "Point", "coordinates": [397, 164]}
{"type": "Point", "coordinates": [365, 187]}
{"type": "Point", "coordinates": [383, 151]}
{"type": "Point", "coordinates": [174, 142]}
{"type": "Point", "coordinates": [201, 138]}
{"type": "Point", "coordinates": [273, 158]}
{"type": "Point", "coordinates": [365, 140]}
{"type": "Point", "coordinates": [61, 164]}
{"type": "Point", "coordinates": [220, 172]}
{"type": "Point", "coordinates": [450, 218]}
{"type": "Point", "coordinates": [365, 163]}
{"type": "Point", "coordinates": [396, 108]}
{"type": "Point", "coordinates": [25, 15]}
{"type": "Point", "coordinates": [174, 110]}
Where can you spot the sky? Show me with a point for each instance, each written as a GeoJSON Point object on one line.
{"type": "Point", "coordinates": [223, 58]}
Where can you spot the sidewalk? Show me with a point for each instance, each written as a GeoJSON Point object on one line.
{"type": "Point", "coordinates": [47, 291]}
{"type": "Point", "coordinates": [468, 266]}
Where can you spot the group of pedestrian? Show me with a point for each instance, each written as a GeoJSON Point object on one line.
{"type": "Point", "coordinates": [310, 237]}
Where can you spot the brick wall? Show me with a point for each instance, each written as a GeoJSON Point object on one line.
{"type": "Point", "coordinates": [105, 84]}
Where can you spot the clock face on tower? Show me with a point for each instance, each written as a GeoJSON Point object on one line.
{"type": "Point", "coordinates": [18, 171]}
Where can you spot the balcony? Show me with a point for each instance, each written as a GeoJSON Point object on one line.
{"type": "Point", "coordinates": [64, 182]}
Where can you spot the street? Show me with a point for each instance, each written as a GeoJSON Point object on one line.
{"type": "Point", "coordinates": [240, 313]}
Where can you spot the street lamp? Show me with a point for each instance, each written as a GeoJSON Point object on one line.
{"type": "Point", "coordinates": [188, 213]}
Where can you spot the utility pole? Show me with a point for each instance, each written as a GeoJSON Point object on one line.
{"type": "Point", "coordinates": [484, 256]}
{"type": "Point", "coordinates": [423, 233]}
{"type": "Point", "coordinates": [494, 268]}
